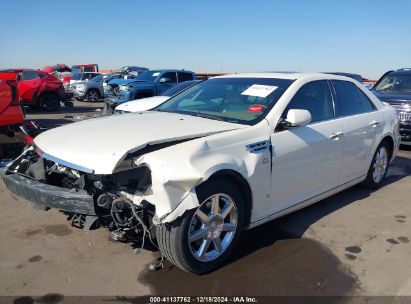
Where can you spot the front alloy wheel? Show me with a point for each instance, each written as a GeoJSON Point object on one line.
{"type": "Point", "coordinates": [204, 237]}
{"type": "Point", "coordinates": [212, 227]}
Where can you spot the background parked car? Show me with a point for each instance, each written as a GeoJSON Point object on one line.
{"type": "Point", "coordinates": [111, 84]}
{"type": "Point", "coordinates": [80, 77]}
{"type": "Point", "coordinates": [150, 83]}
{"type": "Point", "coordinates": [91, 90]}
{"type": "Point", "coordinates": [394, 87]}
{"type": "Point", "coordinates": [149, 103]}
{"type": "Point", "coordinates": [39, 89]}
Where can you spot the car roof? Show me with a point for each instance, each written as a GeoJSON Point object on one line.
{"type": "Point", "coordinates": [289, 76]}
{"type": "Point", "coordinates": [401, 71]}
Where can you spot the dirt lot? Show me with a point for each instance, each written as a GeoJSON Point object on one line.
{"type": "Point", "coordinates": [354, 243]}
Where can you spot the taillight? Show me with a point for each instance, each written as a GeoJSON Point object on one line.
{"type": "Point", "coordinates": [14, 95]}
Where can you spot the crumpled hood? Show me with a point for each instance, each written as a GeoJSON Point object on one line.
{"type": "Point", "coordinates": [99, 144]}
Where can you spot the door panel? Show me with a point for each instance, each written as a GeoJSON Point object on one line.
{"type": "Point", "coordinates": [361, 133]}
{"type": "Point", "coordinates": [306, 163]}
{"type": "Point", "coordinates": [362, 128]}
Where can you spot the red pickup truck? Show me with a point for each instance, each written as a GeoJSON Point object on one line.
{"type": "Point", "coordinates": [11, 116]}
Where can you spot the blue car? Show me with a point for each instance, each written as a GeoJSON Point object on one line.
{"type": "Point", "coordinates": [149, 83]}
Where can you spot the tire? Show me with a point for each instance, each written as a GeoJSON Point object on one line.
{"type": "Point", "coordinates": [173, 238]}
{"type": "Point", "coordinates": [49, 102]}
{"type": "Point", "coordinates": [92, 95]}
{"type": "Point", "coordinates": [379, 166]}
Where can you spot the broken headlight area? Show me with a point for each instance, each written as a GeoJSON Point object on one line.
{"type": "Point", "coordinates": [89, 200]}
{"type": "Point", "coordinates": [43, 170]}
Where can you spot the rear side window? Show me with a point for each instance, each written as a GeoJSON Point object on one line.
{"type": "Point", "coordinates": [169, 77]}
{"type": "Point", "coordinates": [315, 97]}
{"type": "Point", "coordinates": [29, 75]}
{"type": "Point", "coordinates": [350, 100]}
{"type": "Point", "coordinates": [185, 77]}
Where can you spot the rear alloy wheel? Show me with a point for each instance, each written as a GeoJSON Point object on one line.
{"type": "Point", "coordinates": [49, 102]}
{"type": "Point", "coordinates": [379, 166]}
{"type": "Point", "coordinates": [203, 238]}
{"type": "Point", "coordinates": [92, 96]}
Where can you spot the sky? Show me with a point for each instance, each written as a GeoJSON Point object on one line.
{"type": "Point", "coordinates": [367, 37]}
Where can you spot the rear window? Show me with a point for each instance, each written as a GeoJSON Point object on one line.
{"type": "Point", "coordinates": [184, 77]}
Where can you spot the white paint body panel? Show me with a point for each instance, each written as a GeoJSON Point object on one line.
{"type": "Point", "coordinates": [99, 144]}
{"type": "Point", "coordinates": [306, 163]}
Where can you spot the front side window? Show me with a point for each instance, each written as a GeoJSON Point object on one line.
{"type": "Point", "coordinates": [314, 97]}
{"type": "Point", "coordinates": [395, 83]}
{"type": "Point", "coordinates": [29, 75]}
{"type": "Point", "coordinates": [238, 100]}
{"type": "Point", "coordinates": [350, 100]}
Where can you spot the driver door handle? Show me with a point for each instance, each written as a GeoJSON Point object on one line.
{"type": "Point", "coordinates": [336, 135]}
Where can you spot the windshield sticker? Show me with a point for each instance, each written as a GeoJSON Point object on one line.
{"type": "Point", "coordinates": [256, 108]}
{"type": "Point", "coordinates": [156, 74]}
{"type": "Point", "coordinates": [259, 90]}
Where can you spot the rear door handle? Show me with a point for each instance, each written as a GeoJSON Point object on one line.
{"type": "Point", "coordinates": [374, 123]}
{"type": "Point", "coordinates": [336, 135]}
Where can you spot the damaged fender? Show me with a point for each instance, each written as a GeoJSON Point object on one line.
{"type": "Point", "coordinates": [176, 171]}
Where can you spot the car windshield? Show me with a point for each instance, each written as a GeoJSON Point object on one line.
{"type": "Point", "coordinates": [148, 75]}
{"type": "Point", "coordinates": [76, 76]}
{"type": "Point", "coordinates": [178, 88]}
{"type": "Point", "coordinates": [97, 78]}
{"type": "Point", "coordinates": [238, 100]}
{"type": "Point", "coordinates": [395, 83]}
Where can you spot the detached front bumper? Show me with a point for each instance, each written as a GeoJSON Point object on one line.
{"type": "Point", "coordinates": [44, 195]}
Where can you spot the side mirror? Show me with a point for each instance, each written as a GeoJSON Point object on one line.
{"type": "Point", "coordinates": [298, 117]}
{"type": "Point", "coordinates": [163, 80]}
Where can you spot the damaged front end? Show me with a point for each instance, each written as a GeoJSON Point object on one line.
{"type": "Point", "coordinates": [90, 200]}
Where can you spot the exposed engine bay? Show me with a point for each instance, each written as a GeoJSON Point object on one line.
{"type": "Point", "coordinates": [108, 194]}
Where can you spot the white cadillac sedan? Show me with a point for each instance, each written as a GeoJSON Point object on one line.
{"type": "Point", "coordinates": [225, 155]}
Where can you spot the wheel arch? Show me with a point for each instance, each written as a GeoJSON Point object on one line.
{"type": "Point", "coordinates": [242, 184]}
{"type": "Point", "coordinates": [390, 141]}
